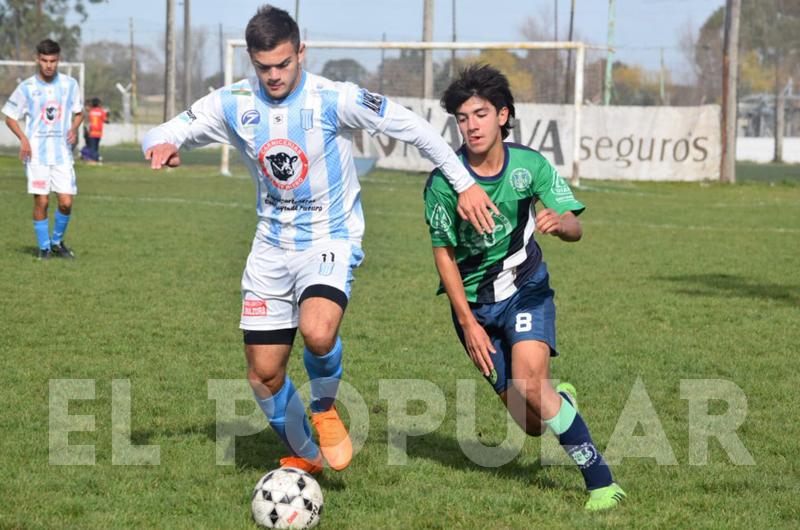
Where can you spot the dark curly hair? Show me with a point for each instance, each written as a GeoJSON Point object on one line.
{"type": "Point", "coordinates": [483, 81]}
{"type": "Point", "coordinates": [269, 27]}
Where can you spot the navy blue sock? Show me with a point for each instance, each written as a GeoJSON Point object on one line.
{"type": "Point", "coordinates": [574, 437]}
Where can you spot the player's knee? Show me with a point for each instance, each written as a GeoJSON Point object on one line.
{"type": "Point", "coordinates": [319, 341]}
{"type": "Point", "coordinates": [263, 378]}
{"type": "Point", "coordinates": [65, 207]}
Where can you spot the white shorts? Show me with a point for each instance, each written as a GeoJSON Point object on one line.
{"type": "Point", "coordinates": [275, 279]}
{"type": "Point", "coordinates": [44, 179]}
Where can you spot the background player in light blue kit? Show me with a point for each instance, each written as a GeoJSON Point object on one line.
{"type": "Point", "coordinates": [291, 128]}
{"type": "Point", "coordinates": [52, 104]}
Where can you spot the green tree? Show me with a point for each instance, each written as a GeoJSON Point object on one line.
{"type": "Point", "coordinates": [344, 70]}
{"type": "Point", "coordinates": [26, 22]}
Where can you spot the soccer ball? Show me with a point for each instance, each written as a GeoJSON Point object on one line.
{"type": "Point", "coordinates": [287, 498]}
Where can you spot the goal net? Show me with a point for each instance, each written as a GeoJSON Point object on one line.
{"type": "Point", "coordinates": [549, 81]}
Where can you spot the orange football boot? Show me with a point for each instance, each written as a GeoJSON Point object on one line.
{"type": "Point", "coordinates": [313, 467]}
{"type": "Point", "coordinates": [334, 442]}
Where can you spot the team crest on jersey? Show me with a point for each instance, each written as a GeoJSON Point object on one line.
{"type": "Point", "coordinates": [521, 179]}
{"type": "Point", "coordinates": [284, 163]}
{"type": "Point", "coordinates": [251, 118]}
{"type": "Point", "coordinates": [307, 119]}
{"type": "Point", "coordinates": [476, 242]}
{"type": "Point", "coordinates": [51, 112]}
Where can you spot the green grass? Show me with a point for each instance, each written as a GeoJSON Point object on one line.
{"type": "Point", "coordinates": [671, 282]}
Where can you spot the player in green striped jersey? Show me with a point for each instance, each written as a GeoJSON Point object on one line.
{"type": "Point", "coordinates": [498, 285]}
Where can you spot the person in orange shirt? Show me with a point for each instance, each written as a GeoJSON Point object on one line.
{"type": "Point", "coordinates": [97, 117]}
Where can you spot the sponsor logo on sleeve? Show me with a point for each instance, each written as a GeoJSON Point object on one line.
{"type": "Point", "coordinates": [440, 219]}
{"type": "Point", "coordinates": [374, 102]}
{"type": "Point", "coordinates": [187, 115]}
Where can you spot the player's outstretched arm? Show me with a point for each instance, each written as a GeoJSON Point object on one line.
{"type": "Point", "coordinates": [377, 114]}
{"type": "Point", "coordinates": [478, 344]}
{"type": "Point", "coordinates": [164, 154]}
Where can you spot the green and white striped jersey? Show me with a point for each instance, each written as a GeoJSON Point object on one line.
{"type": "Point", "coordinates": [493, 266]}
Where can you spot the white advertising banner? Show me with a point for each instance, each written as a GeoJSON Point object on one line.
{"type": "Point", "coordinates": [624, 143]}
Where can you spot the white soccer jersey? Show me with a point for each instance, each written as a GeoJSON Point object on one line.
{"type": "Point", "coordinates": [48, 108]}
{"type": "Point", "coordinates": [299, 151]}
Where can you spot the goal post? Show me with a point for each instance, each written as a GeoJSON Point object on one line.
{"type": "Point", "coordinates": [577, 94]}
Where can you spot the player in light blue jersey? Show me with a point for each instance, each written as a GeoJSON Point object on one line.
{"type": "Point", "coordinates": [292, 130]}
{"type": "Point", "coordinates": [51, 103]}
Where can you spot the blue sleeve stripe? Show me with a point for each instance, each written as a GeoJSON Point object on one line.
{"type": "Point", "coordinates": [296, 133]}
{"type": "Point", "coordinates": [333, 164]}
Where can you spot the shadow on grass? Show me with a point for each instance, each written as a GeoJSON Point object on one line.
{"type": "Point", "coordinates": [28, 250]}
{"type": "Point", "coordinates": [447, 452]}
{"type": "Point", "coordinates": [259, 451]}
{"type": "Point", "coordinates": [716, 284]}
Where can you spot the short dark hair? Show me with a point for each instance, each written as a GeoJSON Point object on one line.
{"type": "Point", "coordinates": [485, 82]}
{"type": "Point", "coordinates": [48, 47]}
{"type": "Point", "coordinates": [95, 102]}
{"type": "Point", "coordinates": [269, 27]}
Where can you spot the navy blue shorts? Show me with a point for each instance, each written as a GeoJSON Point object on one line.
{"type": "Point", "coordinates": [529, 314]}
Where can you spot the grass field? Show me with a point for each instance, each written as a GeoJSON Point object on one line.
{"type": "Point", "coordinates": [671, 282]}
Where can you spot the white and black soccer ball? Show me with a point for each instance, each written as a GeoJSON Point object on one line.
{"type": "Point", "coordinates": [287, 498]}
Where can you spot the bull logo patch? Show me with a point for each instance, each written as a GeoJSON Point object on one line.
{"type": "Point", "coordinates": [51, 112]}
{"type": "Point", "coordinates": [283, 163]}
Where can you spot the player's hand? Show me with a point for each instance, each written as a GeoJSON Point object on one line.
{"type": "Point", "coordinates": [476, 207]}
{"type": "Point", "coordinates": [163, 155]}
{"type": "Point", "coordinates": [25, 150]}
{"type": "Point", "coordinates": [478, 347]}
{"type": "Point", "coordinates": [72, 137]}
{"type": "Point", "coordinates": [548, 222]}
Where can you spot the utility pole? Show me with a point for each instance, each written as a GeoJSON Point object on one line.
{"type": "Point", "coordinates": [169, 63]}
{"type": "Point", "coordinates": [453, 51]}
{"type": "Point", "coordinates": [133, 70]}
{"type": "Point", "coordinates": [661, 74]}
{"type": "Point", "coordinates": [569, 52]}
{"type": "Point", "coordinates": [221, 57]}
{"type": "Point", "coordinates": [383, 57]}
{"type": "Point", "coordinates": [609, 84]}
{"type": "Point", "coordinates": [730, 67]}
{"type": "Point", "coordinates": [555, 52]}
{"type": "Point", "coordinates": [427, 36]}
{"type": "Point", "coordinates": [297, 12]}
{"type": "Point", "coordinates": [187, 55]}
{"type": "Point", "coordinates": [780, 104]}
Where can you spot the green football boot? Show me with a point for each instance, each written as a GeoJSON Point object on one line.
{"type": "Point", "coordinates": [605, 498]}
